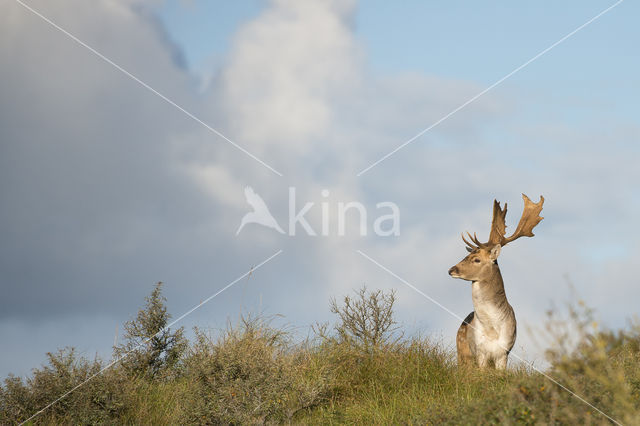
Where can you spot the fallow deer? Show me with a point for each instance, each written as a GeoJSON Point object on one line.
{"type": "Point", "coordinates": [487, 334]}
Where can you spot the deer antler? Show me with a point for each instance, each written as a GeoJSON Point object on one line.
{"type": "Point", "coordinates": [530, 218]}
{"type": "Point", "coordinates": [474, 244]}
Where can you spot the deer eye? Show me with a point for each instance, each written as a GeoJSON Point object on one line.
{"type": "Point", "coordinates": [476, 260]}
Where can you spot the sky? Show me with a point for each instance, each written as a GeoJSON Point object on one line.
{"type": "Point", "coordinates": [107, 187]}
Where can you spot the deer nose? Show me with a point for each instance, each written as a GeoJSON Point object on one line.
{"type": "Point", "coordinates": [453, 270]}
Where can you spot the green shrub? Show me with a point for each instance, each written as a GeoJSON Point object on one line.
{"type": "Point", "coordinates": [359, 370]}
{"type": "Point", "coordinates": [252, 374]}
{"type": "Point", "coordinates": [99, 400]}
{"type": "Point", "coordinates": [149, 348]}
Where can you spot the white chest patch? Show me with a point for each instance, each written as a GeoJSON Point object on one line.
{"type": "Point", "coordinates": [494, 328]}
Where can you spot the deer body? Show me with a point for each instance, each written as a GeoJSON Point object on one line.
{"type": "Point", "coordinates": [488, 333]}
{"type": "Point", "coordinates": [494, 331]}
{"type": "Point", "coordinates": [494, 327]}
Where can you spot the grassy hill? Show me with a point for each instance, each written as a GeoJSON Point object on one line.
{"type": "Point", "coordinates": [359, 370]}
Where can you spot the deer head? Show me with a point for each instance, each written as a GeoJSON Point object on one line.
{"type": "Point", "coordinates": [483, 257]}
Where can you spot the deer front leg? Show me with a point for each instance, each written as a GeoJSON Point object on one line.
{"type": "Point", "coordinates": [483, 359]}
{"type": "Point", "coordinates": [501, 361]}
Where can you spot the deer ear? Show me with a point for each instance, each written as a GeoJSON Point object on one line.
{"type": "Point", "coordinates": [495, 252]}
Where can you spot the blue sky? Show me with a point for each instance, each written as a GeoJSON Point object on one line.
{"type": "Point", "coordinates": [106, 189]}
{"type": "Point", "coordinates": [479, 42]}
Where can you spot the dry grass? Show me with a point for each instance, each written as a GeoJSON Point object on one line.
{"type": "Point", "coordinates": [255, 374]}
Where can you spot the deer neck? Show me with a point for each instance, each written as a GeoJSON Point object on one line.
{"type": "Point", "coordinates": [489, 298]}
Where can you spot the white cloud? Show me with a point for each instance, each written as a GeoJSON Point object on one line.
{"type": "Point", "coordinates": [281, 78]}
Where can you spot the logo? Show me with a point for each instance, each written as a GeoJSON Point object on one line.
{"type": "Point", "coordinates": [384, 225]}
{"type": "Point", "coordinates": [260, 214]}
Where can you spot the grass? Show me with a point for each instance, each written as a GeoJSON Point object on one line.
{"type": "Point", "coordinates": [256, 374]}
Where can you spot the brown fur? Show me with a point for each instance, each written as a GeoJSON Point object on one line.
{"type": "Point", "coordinates": [462, 342]}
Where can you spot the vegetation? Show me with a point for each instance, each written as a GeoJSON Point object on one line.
{"type": "Point", "coordinates": [150, 349]}
{"type": "Point", "coordinates": [358, 370]}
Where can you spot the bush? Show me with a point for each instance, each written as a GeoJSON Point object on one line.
{"type": "Point", "coordinates": [149, 348]}
{"type": "Point", "coordinates": [365, 321]}
{"type": "Point", "coordinates": [360, 372]}
{"type": "Point", "coordinates": [99, 401]}
{"type": "Point", "coordinates": [251, 374]}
